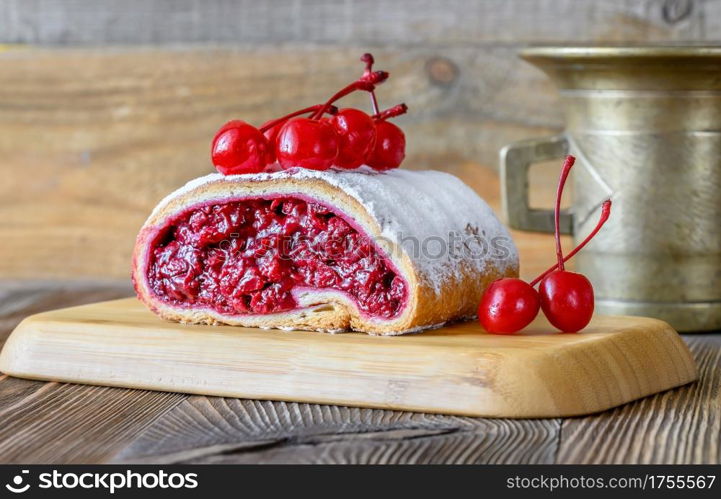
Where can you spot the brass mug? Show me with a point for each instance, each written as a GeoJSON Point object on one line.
{"type": "Point", "coordinates": [645, 126]}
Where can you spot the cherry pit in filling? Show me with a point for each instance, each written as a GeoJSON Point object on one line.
{"type": "Point", "coordinates": [247, 256]}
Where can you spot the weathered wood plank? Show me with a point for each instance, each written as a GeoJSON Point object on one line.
{"type": "Point", "coordinates": [367, 22]}
{"type": "Point", "coordinates": [399, 447]}
{"type": "Point", "coordinates": [114, 131]}
{"type": "Point", "coordinates": [55, 423]}
{"type": "Point", "coordinates": [105, 134]}
{"type": "Point", "coordinates": [215, 430]}
{"type": "Point", "coordinates": [678, 426]}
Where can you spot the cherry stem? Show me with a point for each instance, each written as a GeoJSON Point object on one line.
{"type": "Point", "coordinates": [360, 84]}
{"type": "Point", "coordinates": [374, 103]}
{"type": "Point", "coordinates": [368, 60]}
{"type": "Point", "coordinates": [367, 82]}
{"type": "Point", "coordinates": [391, 112]}
{"type": "Point", "coordinates": [605, 213]}
{"type": "Point", "coordinates": [313, 109]}
{"type": "Point", "coordinates": [567, 165]}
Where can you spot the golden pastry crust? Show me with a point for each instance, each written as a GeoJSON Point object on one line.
{"type": "Point", "coordinates": [429, 304]}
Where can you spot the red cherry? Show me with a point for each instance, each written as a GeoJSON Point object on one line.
{"type": "Point", "coordinates": [567, 300]}
{"type": "Point", "coordinates": [357, 134]}
{"type": "Point", "coordinates": [271, 134]}
{"type": "Point", "coordinates": [507, 306]}
{"type": "Point", "coordinates": [390, 147]}
{"type": "Point", "coordinates": [271, 128]}
{"type": "Point", "coordinates": [239, 148]}
{"type": "Point", "coordinates": [307, 143]}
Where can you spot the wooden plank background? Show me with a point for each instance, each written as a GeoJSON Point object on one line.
{"type": "Point", "coordinates": [107, 106]}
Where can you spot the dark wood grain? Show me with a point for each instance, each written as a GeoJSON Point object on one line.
{"type": "Point", "coordinates": [53, 422]}
{"type": "Point", "coordinates": [221, 430]}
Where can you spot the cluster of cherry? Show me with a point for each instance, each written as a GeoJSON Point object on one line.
{"type": "Point", "coordinates": [346, 138]}
{"type": "Point", "coordinates": [566, 298]}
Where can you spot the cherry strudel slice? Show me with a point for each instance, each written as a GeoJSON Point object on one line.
{"type": "Point", "coordinates": [384, 253]}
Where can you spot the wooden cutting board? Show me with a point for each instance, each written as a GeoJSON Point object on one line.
{"type": "Point", "coordinates": [458, 369]}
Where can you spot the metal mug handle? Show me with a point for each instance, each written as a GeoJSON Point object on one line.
{"type": "Point", "coordinates": [516, 160]}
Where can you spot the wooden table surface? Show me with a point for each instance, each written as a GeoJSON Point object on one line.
{"type": "Point", "coordinates": [61, 423]}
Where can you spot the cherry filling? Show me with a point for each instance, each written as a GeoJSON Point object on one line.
{"type": "Point", "coordinates": [246, 257]}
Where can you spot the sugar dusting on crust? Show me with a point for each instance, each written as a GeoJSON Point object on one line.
{"type": "Point", "coordinates": [437, 219]}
